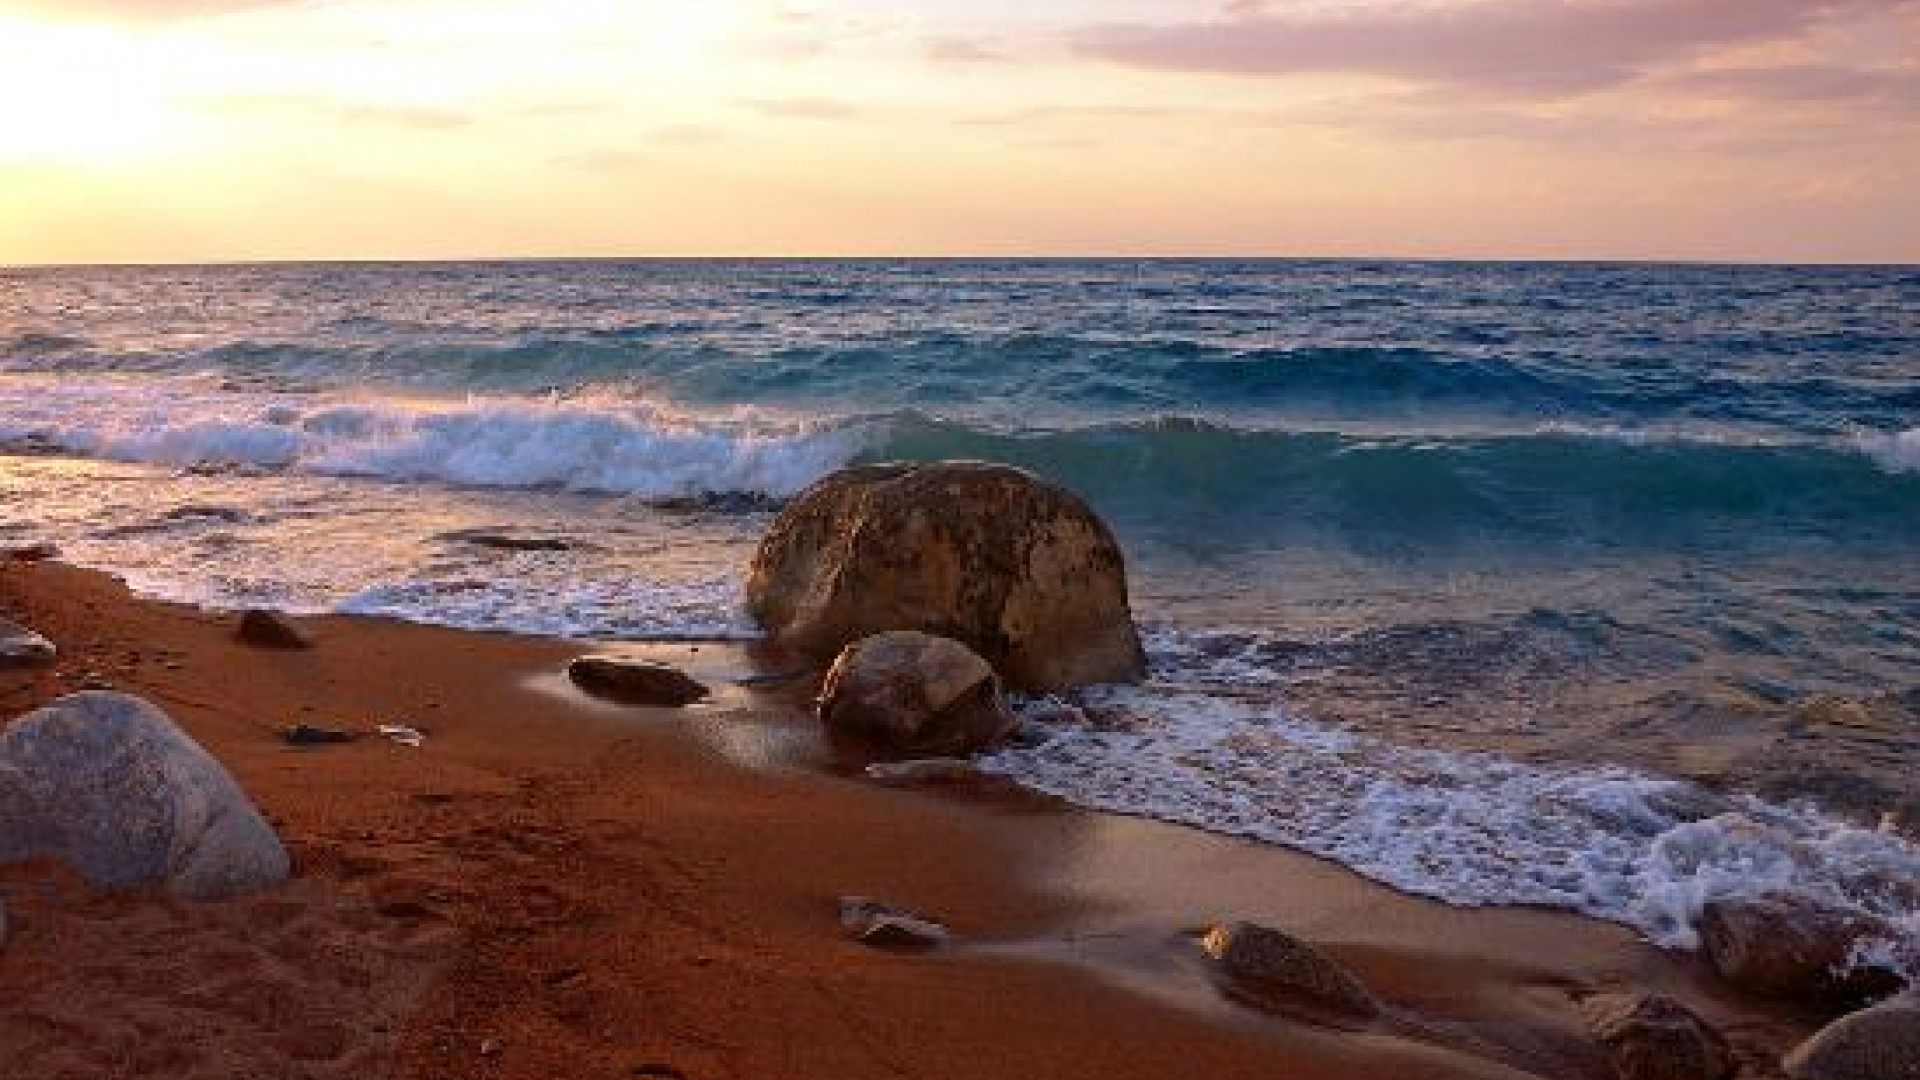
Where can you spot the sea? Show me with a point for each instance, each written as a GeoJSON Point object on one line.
{"type": "Point", "coordinates": [1586, 586]}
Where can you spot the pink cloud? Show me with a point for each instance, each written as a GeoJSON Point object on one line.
{"type": "Point", "coordinates": [1528, 47]}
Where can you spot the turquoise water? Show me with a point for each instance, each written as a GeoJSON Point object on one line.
{"type": "Point", "coordinates": [1662, 519]}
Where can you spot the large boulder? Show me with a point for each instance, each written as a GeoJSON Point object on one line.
{"type": "Point", "coordinates": [1787, 946]}
{"type": "Point", "coordinates": [1276, 971]}
{"type": "Point", "coordinates": [108, 784]}
{"type": "Point", "coordinates": [21, 647]}
{"type": "Point", "coordinates": [1020, 570]}
{"type": "Point", "coordinates": [1881, 1043]}
{"type": "Point", "coordinates": [1654, 1037]}
{"type": "Point", "coordinates": [915, 694]}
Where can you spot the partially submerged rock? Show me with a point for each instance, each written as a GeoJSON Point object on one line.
{"type": "Point", "coordinates": [270, 630]}
{"type": "Point", "coordinates": [937, 770]}
{"type": "Point", "coordinates": [1786, 946]}
{"type": "Point", "coordinates": [21, 647]}
{"type": "Point", "coordinates": [891, 929]}
{"type": "Point", "coordinates": [1881, 1043]}
{"type": "Point", "coordinates": [1020, 570]}
{"type": "Point", "coordinates": [915, 693]}
{"type": "Point", "coordinates": [635, 682]}
{"type": "Point", "coordinates": [33, 553]}
{"type": "Point", "coordinates": [499, 540]}
{"type": "Point", "coordinates": [108, 784]}
{"type": "Point", "coordinates": [1273, 970]}
{"type": "Point", "coordinates": [1654, 1037]}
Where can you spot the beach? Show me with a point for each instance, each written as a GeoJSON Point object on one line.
{"type": "Point", "coordinates": [551, 886]}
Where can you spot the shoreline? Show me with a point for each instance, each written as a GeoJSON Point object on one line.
{"type": "Point", "coordinates": [552, 886]}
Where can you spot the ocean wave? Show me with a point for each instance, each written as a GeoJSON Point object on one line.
{"type": "Point", "coordinates": [610, 447]}
{"type": "Point", "coordinates": [1600, 486]}
{"type": "Point", "coordinates": [1468, 829]}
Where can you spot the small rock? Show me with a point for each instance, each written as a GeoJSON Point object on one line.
{"type": "Point", "coordinates": [1881, 1043]}
{"type": "Point", "coordinates": [21, 647]}
{"type": "Point", "coordinates": [1654, 1037]}
{"type": "Point", "coordinates": [490, 1047]}
{"type": "Point", "coordinates": [942, 770]}
{"type": "Point", "coordinates": [888, 928]}
{"type": "Point", "coordinates": [505, 541]}
{"type": "Point", "coordinates": [1786, 946]}
{"type": "Point", "coordinates": [1274, 970]}
{"type": "Point", "coordinates": [269, 630]}
{"type": "Point", "coordinates": [635, 682]}
{"type": "Point", "coordinates": [315, 735]}
{"type": "Point", "coordinates": [913, 693]}
{"type": "Point", "coordinates": [658, 1069]}
{"type": "Point", "coordinates": [33, 553]}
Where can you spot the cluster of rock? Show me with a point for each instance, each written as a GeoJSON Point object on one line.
{"type": "Point", "coordinates": [933, 588]}
{"type": "Point", "coordinates": [108, 785]}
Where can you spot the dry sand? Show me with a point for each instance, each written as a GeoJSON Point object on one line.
{"type": "Point", "coordinates": [556, 889]}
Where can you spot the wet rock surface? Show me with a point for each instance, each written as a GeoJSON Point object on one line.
{"type": "Point", "coordinates": [23, 648]}
{"type": "Point", "coordinates": [270, 630]}
{"type": "Point", "coordinates": [1788, 947]}
{"type": "Point", "coordinates": [890, 929]}
{"type": "Point", "coordinates": [635, 682]}
{"type": "Point", "coordinates": [1021, 571]}
{"type": "Point", "coordinates": [1277, 972]}
{"type": "Point", "coordinates": [1654, 1037]}
{"type": "Point", "coordinates": [1881, 1043]}
{"type": "Point", "coordinates": [914, 693]}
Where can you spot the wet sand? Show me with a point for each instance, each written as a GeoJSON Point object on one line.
{"type": "Point", "coordinates": [553, 887]}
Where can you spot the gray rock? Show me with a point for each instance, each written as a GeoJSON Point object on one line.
{"type": "Point", "coordinates": [891, 929]}
{"type": "Point", "coordinates": [21, 647]}
{"type": "Point", "coordinates": [1654, 1037]}
{"type": "Point", "coordinates": [635, 682]}
{"type": "Point", "coordinates": [1276, 971]}
{"type": "Point", "coordinates": [268, 630]}
{"type": "Point", "coordinates": [1786, 946]}
{"type": "Point", "coordinates": [23, 831]}
{"type": "Point", "coordinates": [1881, 1043]}
{"type": "Point", "coordinates": [122, 795]}
{"type": "Point", "coordinates": [914, 693]}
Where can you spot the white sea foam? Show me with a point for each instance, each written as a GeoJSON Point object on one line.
{"type": "Point", "coordinates": [607, 446]}
{"type": "Point", "coordinates": [1893, 451]}
{"type": "Point", "coordinates": [1468, 829]}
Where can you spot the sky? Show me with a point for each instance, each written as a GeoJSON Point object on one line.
{"type": "Point", "coordinates": [196, 130]}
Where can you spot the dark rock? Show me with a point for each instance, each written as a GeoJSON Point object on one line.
{"type": "Point", "coordinates": [1021, 571]}
{"type": "Point", "coordinates": [314, 735]}
{"type": "Point", "coordinates": [1786, 946]}
{"type": "Point", "coordinates": [21, 647]}
{"type": "Point", "coordinates": [1276, 971]}
{"type": "Point", "coordinates": [940, 770]}
{"type": "Point", "coordinates": [915, 693]}
{"type": "Point", "coordinates": [268, 630]}
{"type": "Point", "coordinates": [107, 784]}
{"type": "Point", "coordinates": [505, 541]}
{"type": "Point", "coordinates": [889, 929]}
{"type": "Point", "coordinates": [33, 553]}
{"type": "Point", "coordinates": [635, 682]}
{"type": "Point", "coordinates": [1881, 1043]}
{"type": "Point", "coordinates": [1654, 1037]}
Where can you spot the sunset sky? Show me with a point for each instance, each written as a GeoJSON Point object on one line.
{"type": "Point", "coordinates": [175, 130]}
